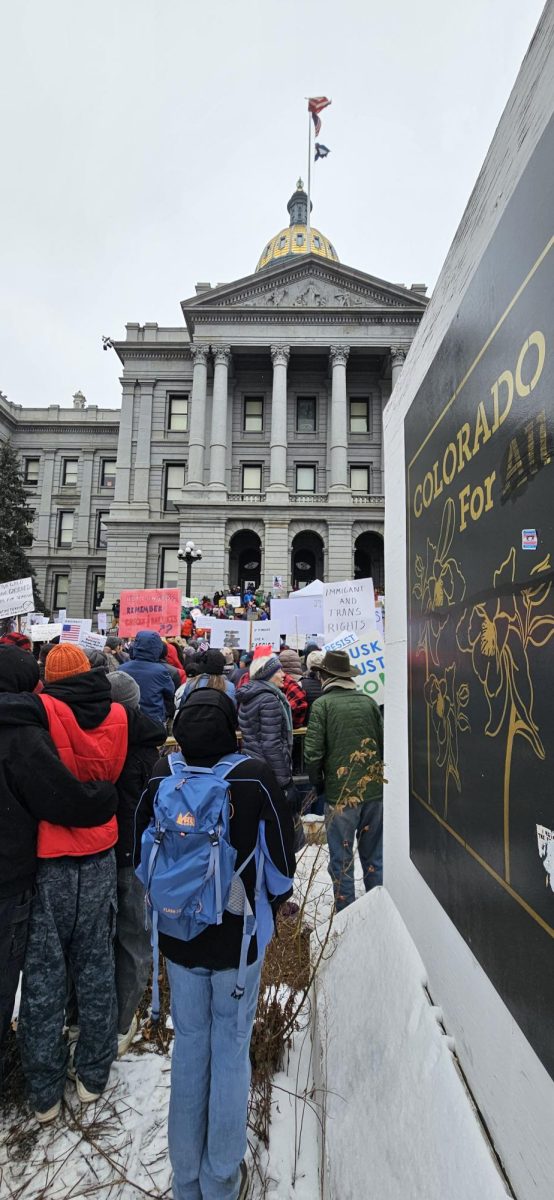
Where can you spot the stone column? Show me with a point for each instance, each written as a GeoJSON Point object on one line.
{"type": "Point", "coordinates": [218, 439]}
{"type": "Point", "coordinates": [197, 431]}
{"type": "Point", "coordinates": [339, 419]}
{"type": "Point", "coordinates": [398, 358]}
{"type": "Point", "coordinates": [144, 437]}
{"type": "Point", "coordinates": [82, 524]}
{"type": "Point", "coordinates": [122, 490]}
{"type": "Point", "coordinates": [278, 472]}
{"type": "Point", "coordinates": [45, 508]}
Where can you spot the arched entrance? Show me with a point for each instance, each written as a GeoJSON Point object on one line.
{"type": "Point", "coordinates": [245, 559]}
{"type": "Point", "coordinates": [369, 559]}
{"type": "Point", "coordinates": [306, 558]}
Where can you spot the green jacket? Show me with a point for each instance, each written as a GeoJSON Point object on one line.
{"type": "Point", "coordinates": [340, 720]}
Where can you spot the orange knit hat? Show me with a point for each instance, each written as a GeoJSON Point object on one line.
{"type": "Point", "coordinates": [64, 660]}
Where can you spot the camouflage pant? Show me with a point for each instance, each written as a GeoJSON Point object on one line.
{"type": "Point", "coordinates": [72, 929]}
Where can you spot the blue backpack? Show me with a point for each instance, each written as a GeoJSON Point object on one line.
{"type": "Point", "coordinates": [187, 865]}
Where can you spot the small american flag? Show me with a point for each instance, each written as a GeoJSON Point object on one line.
{"type": "Point", "coordinates": [71, 631]}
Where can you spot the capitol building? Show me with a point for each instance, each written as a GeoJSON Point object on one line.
{"type": "Point", "coordinates": [254, 428]}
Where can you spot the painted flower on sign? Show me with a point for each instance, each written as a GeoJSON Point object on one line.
{"type": "Point", "coordinates": [497, 632]}
{"type": "Point", "coordinates": [446, 703]}
{"type": "Point", "coordinates": [439, 584]}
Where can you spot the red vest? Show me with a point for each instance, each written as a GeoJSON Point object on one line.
{"type": "Point", "coordinates": [89, 754]}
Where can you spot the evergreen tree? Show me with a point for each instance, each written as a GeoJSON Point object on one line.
{"type": "Point", "coordinates": [16, 518]}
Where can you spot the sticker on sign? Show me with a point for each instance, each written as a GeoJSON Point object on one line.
{"type": "Point", "coordinates": [529, 539]}
{"type": "Point", "coordinates": [341, 642]}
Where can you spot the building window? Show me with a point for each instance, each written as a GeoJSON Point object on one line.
{"type": "Point", "coordinates": [252, 477]}
{"type": "Point", "coordinates": [65, 528]}
{"type": "Point", "coordinates": [69, 472]}
{"type": "Point", "coordinates": [30, 475]}
{"type": "Point", "coordinates": [101, 531]}
{"type": "Point", "coordinates": [174, 484]}
{"type": "Point", "coordinates": [359, 479]}
{"type": "Point", "coordinates": [305, 478]}
{"type": "Point", "coordinates": [253, 414]}
{"type": "Point", "coordinates": [61, 591]}
{"type": "Point", "coordinates": [98, 589]}
{"type": "Point", "coordinates": [305, 414]}
{"type": "Point", "coordinates": [359, 416]}
{"type": "Point", "coordinates": [107, 473]}
{"type": "Point", "coordinates": [178, 413]}
{"type": "Point", "coordinates": [169, 569]}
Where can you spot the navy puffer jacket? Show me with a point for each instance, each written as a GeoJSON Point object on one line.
{"type": "Point", "coordinates": [264, 729]}
{"type": "Point", "coordinates": [156, 686]}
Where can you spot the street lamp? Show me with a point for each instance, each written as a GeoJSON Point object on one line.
{"type": "Point", "coordinates": [189, 555]}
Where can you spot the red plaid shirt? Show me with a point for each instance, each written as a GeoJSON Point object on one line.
{"type": "Point", "coordinates": [297, 699]}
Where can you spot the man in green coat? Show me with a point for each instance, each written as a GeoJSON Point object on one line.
{"type": "Point", "coordinates": [343, 755]}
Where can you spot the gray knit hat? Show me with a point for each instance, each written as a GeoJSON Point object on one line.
{"type": "Point", "coordinates": [125, 689]}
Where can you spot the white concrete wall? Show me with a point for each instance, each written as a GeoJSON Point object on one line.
{"type": "Point", "coordinates": [514, 1092]}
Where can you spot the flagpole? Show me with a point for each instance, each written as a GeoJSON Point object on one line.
{"type": "Point", "coordinates": [308, 221]}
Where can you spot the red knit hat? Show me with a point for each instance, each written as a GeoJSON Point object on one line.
{"type": "Point", "coordinates": [65, 660]}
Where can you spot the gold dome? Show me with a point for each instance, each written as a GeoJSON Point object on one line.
{"type": "Point", "coordinates": [292, 241]}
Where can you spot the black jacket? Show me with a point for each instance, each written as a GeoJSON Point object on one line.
{"type": "Point", "coordinates": [312, 687]}
{"type": "Point", "coordinates": [264, 728]}
{"type": "Point", "coordinates": [139, 766]}
{"type": "Point", "coordinates": [218, 947]}
{"type": "Point", "coordinates": [35, 786]}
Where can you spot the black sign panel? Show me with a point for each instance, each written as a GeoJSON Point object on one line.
{"type": "Point", "coordinates": [479, 442]}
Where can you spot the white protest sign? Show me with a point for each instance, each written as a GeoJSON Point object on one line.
{"type": "Point", "coordinates": [16, 597]}
{"type": "Point", "coordinates": [228, 633]}
{"type": "Point", "coordinates": [379, 624]}
{"type": "Point", "coordinates": [265, 633]}
{"type": "Point", "coordinates": [72, 630]}
{"type": "Point", "coordinates": [196, 613]}
{"type": "Point", "coordinates": [349, 604]}
{"type": "Point", "coordinates": [44, 632]}
{"type": "Point", "coordinates": [91, 641]}
{"type": "Point", "coordinates": [102, 621]}
{"type": "Point", "coordinates": [62, 615]}
{"type": "Point", "coordinates": [233, 601]}
{"type": "Point", "coordinates": [299, 614]}
{"type": "Point", "coordinates": [368, 654]}
{"type": "Point", "coordinates": [342, 641]}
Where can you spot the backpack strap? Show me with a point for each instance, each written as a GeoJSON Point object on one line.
{"type": "Point", "coordinates": [155, 947]}
{"type": "Point", "coordinates": [248, 931]}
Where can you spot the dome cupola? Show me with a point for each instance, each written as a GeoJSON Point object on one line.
{"type": "Point", "coordinates": [291, 242]}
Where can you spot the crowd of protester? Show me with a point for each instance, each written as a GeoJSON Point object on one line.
{"type": "Point", "coordinates": [83, 751]}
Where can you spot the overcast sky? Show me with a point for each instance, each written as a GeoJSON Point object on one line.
{"type": "Point", "coordinates": [149, 144]}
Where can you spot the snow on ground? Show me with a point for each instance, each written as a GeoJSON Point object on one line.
{"type": "Point", "coordinates": [117, 1148]}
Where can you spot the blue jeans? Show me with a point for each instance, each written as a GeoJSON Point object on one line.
{"type": "Point", "coordinates": [210, 1081]}
{"type": "Point", "coordinates": [364, 823]}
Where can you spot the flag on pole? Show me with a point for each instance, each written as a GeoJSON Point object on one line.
{"type": "Point", "coordinates": [316, 104]}
{"type": "Point", "coordinates": [321, 151]}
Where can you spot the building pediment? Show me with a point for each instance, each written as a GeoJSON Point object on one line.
{"type": "Point", "coordinates": [309, 284]}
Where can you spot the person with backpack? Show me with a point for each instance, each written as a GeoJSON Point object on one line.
{"type": "Point", "coordinates": [217, 861]}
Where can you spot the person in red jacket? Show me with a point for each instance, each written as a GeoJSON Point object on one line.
{"type": "Point", "coordinates": [73, 914]}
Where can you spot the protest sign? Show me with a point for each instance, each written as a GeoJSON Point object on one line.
{"type": "Point", "coordinates": [231, 601]}
{"type": "Point", "coordinates": [342, 641]}
{"type": "Point", "coordinates": [16, 597]}
{"type": "Point", "coordinates": [44, 632]}
{"type": "Point", "coordinates": [72, 631]}
{"type": "Point", "coordinates": [264, 633]}
{"type": "Point", "coordinates": [277, 582]}
{"type": "Point", "coordinates": [368, 654]}
{"type": "Point", "coordinates": [102, 622]}
{"type": "Point", "coordinates": [33, 618]}
{"type": "Point", "coordinates": [349, 604]}
{"type": "Point", "coordinates": [235, 634]}
{"type": "Point", "coordinates": [299, 614]}
{"type": "Point", "coordinates": [61, 615]}
{"type": "Point", "coordinates": [155, 609]}
{"type": "Point", "coordinates": [196, 614]}
{"type": "Point", "coordinates": [91, 641]}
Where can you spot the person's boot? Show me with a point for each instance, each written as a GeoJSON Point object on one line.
{"type": "Point", "coordinates": [124, 1039]}
{"type": "Point", "coordinates": [83, 1093]}
{"type": "Point", "coordinates": [50, 1114]}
